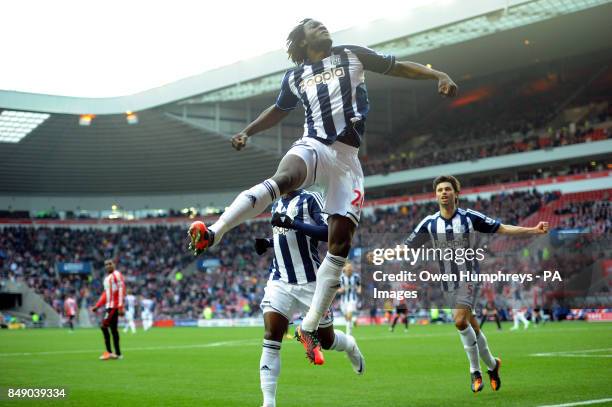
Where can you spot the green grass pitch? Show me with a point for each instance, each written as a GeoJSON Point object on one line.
{"type": "Point", "coordinates": [219, 367]}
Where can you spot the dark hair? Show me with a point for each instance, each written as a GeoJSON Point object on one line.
{"type": "Point", "coordinates": [296, 51]}
{"type": "Point", "coordinates": [447, 178]}
{"type": "Point", "coordinates": [452, 180]}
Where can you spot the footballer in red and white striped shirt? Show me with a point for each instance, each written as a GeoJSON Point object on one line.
{"type": "Point", "coordinates": [70, 310]}
{"type": "Point", "coordinates": [112, 299]}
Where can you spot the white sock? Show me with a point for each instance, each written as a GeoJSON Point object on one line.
{"type": "Point", "coordinates": [342, 342]}
{"type": "Point", "coordinates": [485, 353]}
{"type": "Point", "coordinates": [269, 370]}
{"type": "Point", "coordinates": [247, 205]}
{"type": "Point", "coordinates": [349, 327]}
{"type": "Point", "coordinates": [523, 319]}
{"type": "Point", "coordinates": [328, 282]}
{"type": "Point", "coordinates": [470, 344]}
{"type": "Point", "coordinates": [516, 320]}
{"type": "Point", "coordinates": [133, 326]}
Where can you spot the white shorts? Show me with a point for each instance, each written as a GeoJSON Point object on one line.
{"type": "Point", "coordinates": [337, 170]}
{"type": "Point", "coordinates": [465, 294]}
{"type": "Point", "coordinates": [289, 299]}
{"type": "Point", "coordinates": [348, 306]}
{"type": "Point", "coordinates": [129, 315]}
{"type": "Point", "coordinates": [146, 315]}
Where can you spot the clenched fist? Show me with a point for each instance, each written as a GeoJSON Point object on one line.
{"type": "Point", "coordinates": [239, 141]}
{"type": "Point", "coordinates": [446, 86]}
{"type": "Point", "coordinates": [541, 228]}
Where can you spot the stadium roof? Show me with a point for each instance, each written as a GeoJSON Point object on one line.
{"type": "Point", "coordinates": [180, 143]}
{"type": "Point", "coordinates": [428, 28]}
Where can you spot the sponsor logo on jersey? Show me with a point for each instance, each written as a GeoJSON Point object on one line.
{"type": "Point", "coordinates": [322, 78]}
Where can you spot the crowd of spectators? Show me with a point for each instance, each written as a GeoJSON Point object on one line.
{"type": "Point", "coordinates": [153, 260]}
{"type": "Point", "coordinates": [32, 254]}
{"type": "Point", "coordinates": [156, 264]}
{"type": "Point", "coordinates": [521, 111]}
{"type": "Point", "coordinates": [594, 215]}
{"type": "Point", "coordinates": [490, 143]}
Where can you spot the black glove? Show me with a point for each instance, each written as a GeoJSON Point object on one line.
{"type": "Point", "coordinates": [261, 245]}
{"type": "Point", "coordinates": [282, 221]}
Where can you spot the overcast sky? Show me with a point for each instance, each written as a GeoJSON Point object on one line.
{"type": "Point", "coordinates": [114, 48]}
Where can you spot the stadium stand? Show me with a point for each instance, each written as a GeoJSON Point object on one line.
{"type": "Point", "coordinates": [492, 142]}
{"type": "Point", "coordinates": [155, 261]}
{"type": "Point", "coordinates": [544, 107]}
{"type": "Point", "coordinates": [590, 210]}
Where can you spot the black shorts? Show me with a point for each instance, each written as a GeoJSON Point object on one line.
{"type": "Point", "coordinates": [401, 310]}
{"type": "Point", "coordinates": [111, 318]}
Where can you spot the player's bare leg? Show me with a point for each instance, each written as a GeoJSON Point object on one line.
{"type": "Point", "coordinates": [341, 230]}
{"type": "Point", "coordinates": [289, 176]}
{"type": "Point", "coordinates": [275, 326]}
{"type": "Point", "coordinates": [337, 340]}
{"type": "Point", "coordinates": [493, 363]}
{"type": "Point", "coordinates": [463, 317]}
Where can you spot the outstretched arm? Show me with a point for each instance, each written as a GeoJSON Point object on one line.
{"type": "Point", "coordinates": [267, 119]}
{"type": "Point", "coordinates": [540, 229]}
{"type": "Point", "coordinates": [318, 231]}
{"type": "Point", "coordinates": [413, 70]}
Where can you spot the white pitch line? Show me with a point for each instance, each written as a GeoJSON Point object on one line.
{"type": "Point", "coordinates": [575, 353]}
{"type": "Point", "coordinates": [584, 351]}
{"type": "Point", "coordinates": [579, 403]}
{"type": "Point", "coordinates": [146, 348]}
{"type": "Point", "coordinates": [570, 355]}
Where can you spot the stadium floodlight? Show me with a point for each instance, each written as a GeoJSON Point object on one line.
{"type": "Point", "coordinates": [85, 119]}
{"type": "Point", "coordinates": [16, 125]}
{"type": "Point", "coordinates": [131, 117]}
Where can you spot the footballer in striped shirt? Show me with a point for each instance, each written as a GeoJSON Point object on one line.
{"type": "Point", "coordinates": [298, 226]}
{"type": "Point", "coordinates": [70, 310]}
{"type": "Point", "coordinates": [350, 290]}
{"type": "Point", "coordinates": [112, 299]}
{"type": "Point", "coordinates": [456, 228]}
{"type": "Point", "coordinates": [328, 81]}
